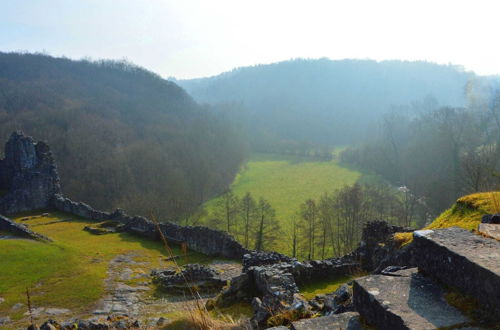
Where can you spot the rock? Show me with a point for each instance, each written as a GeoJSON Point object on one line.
{"type": "Point", "coordinates": [56, 311]}
{"type": "Point", "coordinates": [490, 230]}
{"type": "Point", "coordinates": [162, 321]}
{"type": "Point", "coordinates": [4, 320]}
{"type": "Point", "coordinates": [463, 260]}
{"type": "Point", "coordinates": [279, 292]}
{"type": "Point", "coordinates": [201, 276]}
{"type": "Point", "coordinates": [20, 230]}
{"type": "Point", "coordinates": [50, 325]}
{"type": "Point", "coordinates": [260, 258]}
{"type": "Point", "coordinates": [344, 321]}
{"type": "Point", "coordinates": [378, 249]}
{"type": "Point", "coordinates": [241, 288]}
{"type": "Point", "coordinates": [17, 306]}
{"type": "Point", "coordinates": [1, 300]}
{"type": "Point", "coordinates": [404, 302]}
{"type": "Point", "coordinates": [35, 311]}
{"type": "Point", "coordinates": [97, 230]}
{"type": "Point", "coordinates": [339, 301]}
{"type": "Point", "coordinates": [491, 218]}
{"type": "Point", "coordinates": [29, 175]}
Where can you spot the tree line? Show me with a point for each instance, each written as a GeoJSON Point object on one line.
{"type": "Point", "coordinates": [249, 220]}
{"type": "Point", "coordinates": [439, 153]}
{"type": "Point", "coordinates": [330, 226]}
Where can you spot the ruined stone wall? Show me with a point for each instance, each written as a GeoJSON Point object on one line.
{"type": "Point", "coordinates": [20, 230]}
{"type": "Point", "coordinates": [28, 175]}
{"type": "Point", "coordinates": [201, 239]}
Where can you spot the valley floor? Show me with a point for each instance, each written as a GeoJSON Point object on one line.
{"type": "Point", "coordinates": [287, 181]}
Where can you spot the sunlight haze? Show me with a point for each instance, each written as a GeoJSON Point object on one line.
{"type": "Point", "coordinates": [187, 39]}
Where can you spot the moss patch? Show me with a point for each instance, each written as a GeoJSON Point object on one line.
{"type": "Point", "coordinates": [466, 213]}
{"type": "Point", "coordinates": [310, 290]}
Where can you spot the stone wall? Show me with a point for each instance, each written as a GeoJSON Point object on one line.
{"type": "Point", "coordinates": [201, 239]}
{"type": "Point", "coordinates": [20, 230]}
{"type": "Point", "coordinates": [28, 175]}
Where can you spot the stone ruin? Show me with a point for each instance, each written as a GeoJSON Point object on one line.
{"type": "Point", "coordinates": [28, 175]}
{"type": "Point", "coordinates": [30, 181]}
{"type": "Point", "coordinates": [201, 277]}
{"type": "Point", "coordinates": [405, 290]}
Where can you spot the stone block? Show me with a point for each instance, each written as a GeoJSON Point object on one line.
{"type": "Point", "coordinates": [344, 321]}
{"type": "Point", "coordinates": [407, 301]}
{"type": "Point", "coordinates": [461, 259]}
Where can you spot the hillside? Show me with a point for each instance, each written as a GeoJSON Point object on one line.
{"type": "Point", "coordinates": [323, 101]}
{"type": "Point", "coordinates": [137, 141]}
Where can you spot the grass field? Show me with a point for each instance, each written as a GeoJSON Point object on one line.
{"type": "Point", "coordinates": [287, 181]}
{"type": "Point", "coordinates": [70, 272]}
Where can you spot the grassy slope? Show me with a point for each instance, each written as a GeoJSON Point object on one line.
{"type": "Point", "coordinates": [465, 213]}
{"type": "Point", "coordinates": [70, 271]}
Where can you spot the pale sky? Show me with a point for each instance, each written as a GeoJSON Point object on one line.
{"type": "Point", "coordinates": [195, 38]}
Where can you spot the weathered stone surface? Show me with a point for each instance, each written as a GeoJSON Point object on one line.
{"type": "Point", "coordinates": [261, 258]}
{"type": "Point", "coordinates": [339, 301]}
{"type": "Point", "coordinates": [279, 292]}
{"type": "Point", "coordinates": [409, 301]}
{"type": "Point", "coordinates": [490, 230]}
{"type": "Point", "coordinates": [378, 250]}
{"type": "Point", "coordinates": [28, 174]}
{"type": "Point", "coordinates": [240, 288]}
{"type": "Point", "coordinates": [344, 321]}
{"type": "Point", "coordinates": [193, 275]}
{"type": "Point", "coordinates": [463, 260]}
{"type": "Point", "coordinates": [20, 230]}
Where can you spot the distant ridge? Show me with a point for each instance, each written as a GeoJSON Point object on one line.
{"type": "Point", "coordinates": [324, 101]}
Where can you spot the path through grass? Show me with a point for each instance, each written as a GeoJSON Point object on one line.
{"type": "Point", "coordinates": [70, 272]}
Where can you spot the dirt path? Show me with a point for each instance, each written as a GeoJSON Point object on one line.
{"type": "Point", "coordinates": [129, 290]}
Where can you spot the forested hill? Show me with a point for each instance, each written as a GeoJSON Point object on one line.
{"type": "Point", "coordinates": [122, 136]}
{"type": "Point", "coordinates": [325, 101]}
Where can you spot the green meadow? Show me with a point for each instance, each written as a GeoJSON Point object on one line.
{"type": "Point", "coordinates": [70, 271]}
{"type": "Point", "coordinates": [286, 181]}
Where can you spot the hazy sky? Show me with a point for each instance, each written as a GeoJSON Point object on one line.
{"type": "Point", "coordinates": [193, 38]}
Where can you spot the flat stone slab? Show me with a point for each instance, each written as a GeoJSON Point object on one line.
{"type": "Point", "coordinates": [490, 230]}
{"type": "Point", "coordinates": [461, 259]}
{"type": "Point", "coordinates": [344, 321]}
{"type": "Point", "coordinates": [408, 301]}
